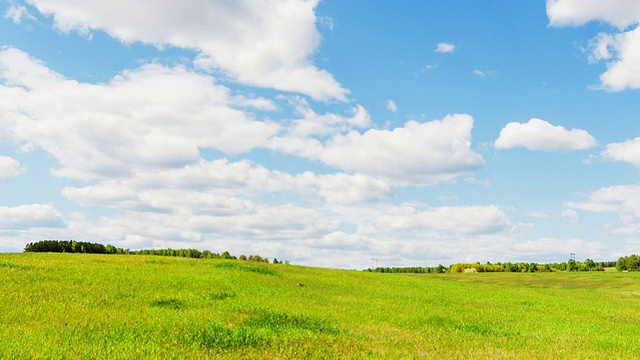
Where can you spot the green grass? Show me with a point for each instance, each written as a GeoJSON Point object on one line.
{"type": "Point", "coordinates": [73, 306]}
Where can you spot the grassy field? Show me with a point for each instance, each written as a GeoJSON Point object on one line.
{"type": "Point", "coordinates": [74, 306]}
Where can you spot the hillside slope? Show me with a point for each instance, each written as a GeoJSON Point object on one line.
{"type": "Point", "coordinates": [119, 306]}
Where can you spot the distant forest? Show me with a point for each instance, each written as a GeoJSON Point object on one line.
{"type": "Point", "coordinates": [70, 246]}
{"type": "Point", "coordinates": [625, 263]}
{"type": "Point", "coordinates": [571, 265]}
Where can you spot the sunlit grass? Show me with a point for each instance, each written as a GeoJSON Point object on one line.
{"type": "Point", "coordinates": [115, 306]}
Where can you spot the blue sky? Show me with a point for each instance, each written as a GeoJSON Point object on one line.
{"type": "Point", "coordinates": [326, 133]}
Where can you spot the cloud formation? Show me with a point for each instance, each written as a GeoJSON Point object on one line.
{"type": "Point", "coordinates": [620, 49]}
{"type": "Point", "coordinates": [627, 151]}
{"type": "Point", "coordinates": [426, 153]}
{"type": "Point", "coordinates": [18, 12]}
{"type": "Point", "coordinates": [136, 120]}
{"type": "Point", "coordinates": [620, 13]}
{"type": "Point", "coordinates": [444, 47]}
{"type": "Point", "coordinates": [10, 167]}
{"type": "Point", "coordinates": [228, 147]}
{"type": "Point", "coordinates": [447, 219]}
{"type": "Point", "coordinates": [391, 106]}
{"type": "Point", "coordinates": [30, 216]}
{"type": "Point", "coordinates": [537, 134]}
{"type": "Point", "coordinates": [623, 200]}
{"type": "Point", "coordinates": [265, 44]}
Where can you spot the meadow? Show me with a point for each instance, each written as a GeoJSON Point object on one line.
{"type": "Point", "coordinates": [78, 306]}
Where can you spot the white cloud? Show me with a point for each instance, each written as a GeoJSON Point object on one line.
{"type": "Point", "coordinates": [479, 73]}
{"type": "Point", "coordinates": [419, 153]}
{"type": "Point", "coordinates": [425, 69]}
{"type": "Point", "coordinates": [620, 13]}
{"type": "Point", "coordinates": [623, 71]}
{"type": "Point", "coordinates": [327, 22]}
{"type": "Point", "coordinates": [314, 124]}
{"type": "Point", "coordinates": [222, 188]}
{"type": "Point", "coordinates": [570, 215]}
{"type": "Point", "coordinates": [18, 12]}
{"type": "Point", "coordinates": [444, 47]}
{"type": "Point", "coordinates": [600, 47]}
{"type": "Point", "coordinates": [219, 215]}
{"type": "Point", "coordinates": [554, 249]}
{"type": "Point", "coordinates": [351, 189]}
{"type": "Point", "coordinates": [287, 221]}
{"type": "Point", "coordinates": [627, 151]}
{"type": "Point", "coordinates": [236, 232]}
{"type": "Point", "coordinates": [538, 214]}
{"type": "Point", "coordinates": [620, 50]}
{"type": "Point", "coordinates": [259, 103]}
{"type": "Point", "coordinates": [30, 216]}
{"type": "Point", "coordinates": [266, 44]}
{"type": "Point", "coordinates": [219, 193]}
{"type": "Point", "coordinates": [339, 240]}
{"type": "Point", "coordinates": [10, 167]}
{"type": "Point", "coordinates": [623, 200]}
{"type": "Point", "coordinates": [538, 134]}
{"type": "Point", "coordinates": [391, 106]}
{"type": "Point", "coordinates": [449, 219]}
{"type": "Point", "coordinates": [151, 117]}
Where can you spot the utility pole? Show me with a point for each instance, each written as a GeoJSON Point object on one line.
{"type": "Point", "coordinates": [372, 260]}
{"type": "Point", "coordinates": [573, 256]}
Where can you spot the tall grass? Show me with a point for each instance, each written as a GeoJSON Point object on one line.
{"type": "Point", "coordinates": [77, 306]}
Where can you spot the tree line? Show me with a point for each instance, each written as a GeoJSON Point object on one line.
{"type": "Point", "coordinates": [571, 265]}
{"type": "Point", "coordinates": [628, 263]}
{"type": "Point", "coordinates": [625, 263]}
{"type": "Point", "coordinates": [68, 246]}
{"type": "Point", "coordinates": [71, 246]}
{"type": "Point", "coordinates": [410, 270]}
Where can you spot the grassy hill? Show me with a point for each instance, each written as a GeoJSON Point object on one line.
{"type": "Point", "coordinates": [118, 306]}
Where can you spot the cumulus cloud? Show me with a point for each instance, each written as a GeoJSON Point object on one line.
{"type": "Point", "coordinates": [339, 240]}
{"type": "Point", "coordinates": [10, 167]}
{"type": "Point", "coordinates": [553, 249]}
{"type": "Point", "coordinates": [235, 231]}
{"type": "Point", "coordinates": [223, 188]}
{"type": "Point", "coordinates": [623, 69]}
{"type": "Point", "coordinates": [266, 44]}
{"type": "Point", "coordinates": [426, 153]}
{"type": "Point", "coordinates": [150, 117]}
{"type": "Point", "coordinates": [18, 12]}
{"type": "Point", "coordinates": [345, 188]}
{"type": "Point", "coordinates": [619, 49]}
{"type": "Point", "coordinates": [450, 219]}
{"type": "Point", "coordinates": [259, 103]}
{"type": "Point", "coordinates": [622, 200]}
{"type": "Point", "coordinates": [391, 106]}
{"type": "Point", "coordinates": [30, 216]}
{"type": "Point", "coordinates": [322, 125]}
{"type": "Point", "coordinates": [620, 13]}
{"type": "Point", "coordinates": [444, 47]}
{"type": "Point", "coordinates": [418, 153]}
{"type": "Point", "coordinates": [627, 151]}
{"type": "Point", "coordinates": [538, 134]}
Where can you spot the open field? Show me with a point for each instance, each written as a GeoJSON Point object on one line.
{"type": "Point", "coordinates": [116, 306]}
